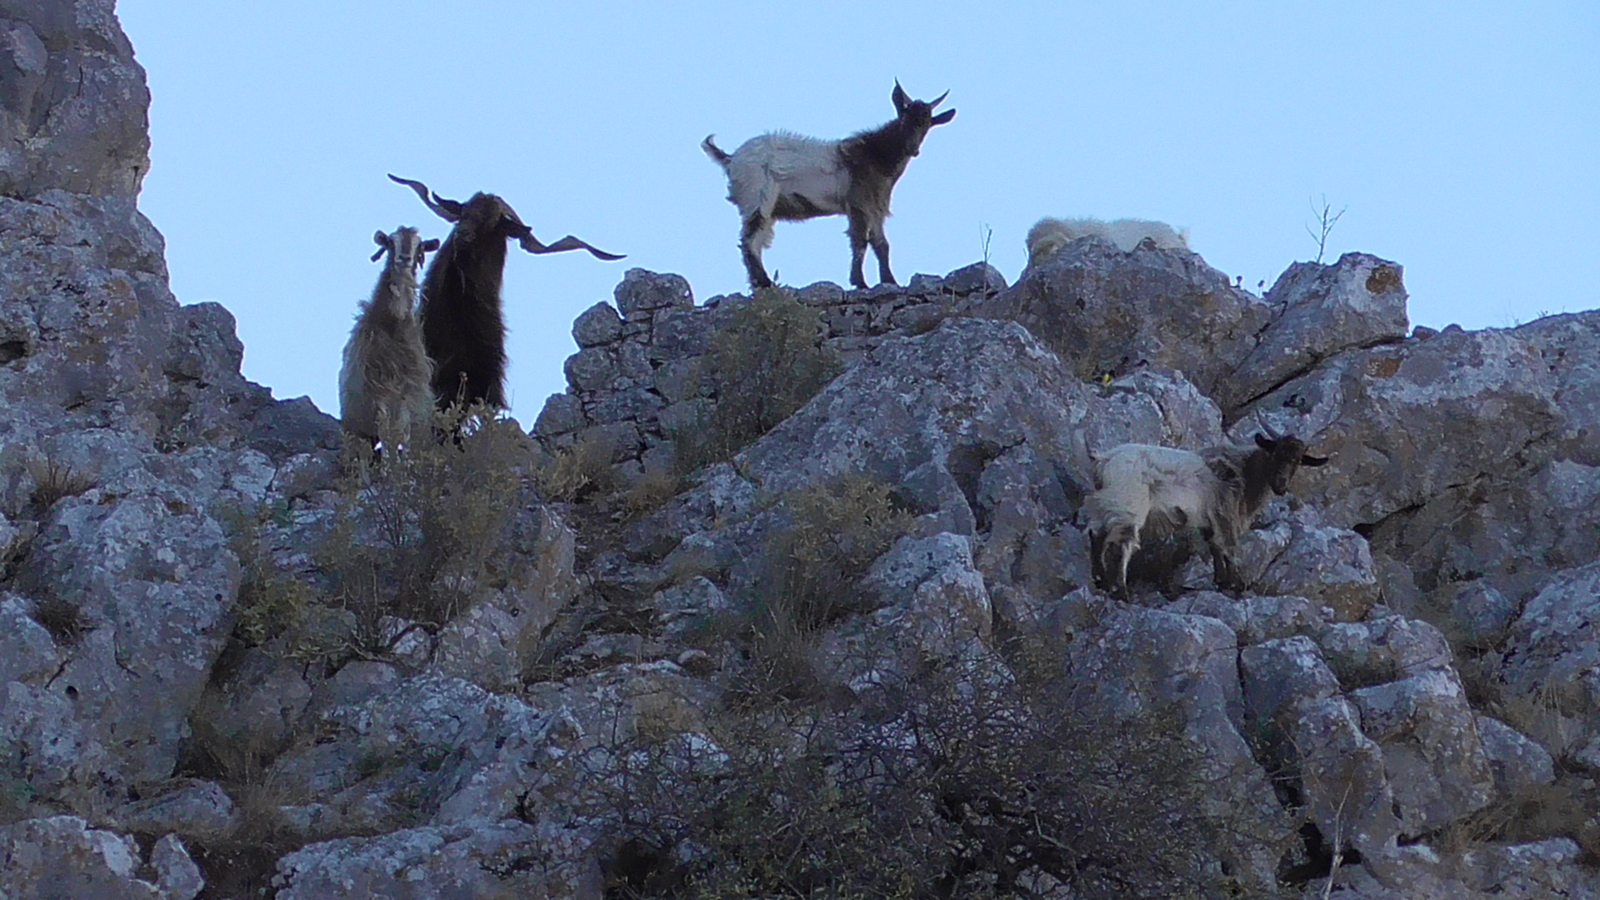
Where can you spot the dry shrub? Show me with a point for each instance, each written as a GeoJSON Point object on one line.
{"type": "Point", "coordinates": [767, 362]}
{"type": "Point", "coordinates": [271, 600]}
{"type": "Point", "coordinates": [832, 533]}
{"type": "Point", "coordinates": [835, 531]}
{"type": "Point", "coordinates": [432, 520]}
{"type": "Point", "coordinates": [966, 782]}
{"type": "Point", "coordinates": [568, 474]}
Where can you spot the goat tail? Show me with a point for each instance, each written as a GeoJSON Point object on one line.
{"type": "Point", "coordinates": [716, 153]}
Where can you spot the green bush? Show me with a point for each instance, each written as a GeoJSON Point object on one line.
{"type": "Point", "coordinates": [767, 362]}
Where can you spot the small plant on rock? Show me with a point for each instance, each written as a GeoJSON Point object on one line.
{"type": "Point", "coordinates": [765, 364]}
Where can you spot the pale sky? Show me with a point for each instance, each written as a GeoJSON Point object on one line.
{"type": "Point", "coordinates": [1462, 138]}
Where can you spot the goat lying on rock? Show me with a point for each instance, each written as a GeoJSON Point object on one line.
{"type": "Point", "coordinates": [1144, 492]}
{"type": "Point", "coordinates": [1049, 235]}
{"type": "Point", "coordinates": [787, 176]}
{"type": "Point", "coordinates": [384, 383]}
{"type": "Point", "coordinates": [462, 325]}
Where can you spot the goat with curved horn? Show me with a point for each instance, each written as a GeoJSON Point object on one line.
{"type": "Point", "coordinates": [462, 324]}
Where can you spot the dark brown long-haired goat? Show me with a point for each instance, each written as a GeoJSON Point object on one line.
{"type": "Point", "coordinates": [462, 325]}
{"type": "Point", "coordinates": [787, 176]}
{"type": "Point", "coordinates": [384, 388]}
{"type": "Point", "coordinates": [1146, 492]}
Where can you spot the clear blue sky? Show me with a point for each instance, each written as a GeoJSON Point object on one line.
{"type": "Point", "coordinates": [1463, 137]}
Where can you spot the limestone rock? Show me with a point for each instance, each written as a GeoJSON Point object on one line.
{"type": "Point", "coordinates": [1356, 302]}
{"type": "Point", "coordinates": [1552, 659]}
{"type": "Point", "coordinates": [64, 858]}
{"type": "Point", "coordinates": [474, 860]}
{"type": "Point", "coordinates": [1404, 422]}
{"type": "Point", "coordinates": [74, 113]}
{"type": "Point", "coordinates": [1105, 311]}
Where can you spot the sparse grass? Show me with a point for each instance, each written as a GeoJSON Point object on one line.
{"type": "Point", "coordinates": [54, 481]}
{"type": "Point", "coordinates": [1534, 812]}
{"type": "Point", "coordinates": [765, 364]}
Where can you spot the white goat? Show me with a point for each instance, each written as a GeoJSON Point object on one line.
{"type": "Point", "coordinates": [787, 176]}
{"type": "Point", "coordinates": [1049, 235]}
{"type": "Point", "coordinates": [1144, 492]}
{"type": "Point", "coordinates": [384, 385]}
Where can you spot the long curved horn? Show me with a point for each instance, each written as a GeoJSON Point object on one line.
{"type": "Point", "coordinates": [448, 210]}
{"type": "Point", "coordinates": [532, 245]}
{"type": "Point", "coordinates": [934, 103]}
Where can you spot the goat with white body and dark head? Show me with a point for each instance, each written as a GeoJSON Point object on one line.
{"type": "Point", "coordinates": [1144, 492]}
{"type": "Point", "coordinates": [787, 176]}
{"type": "Point", "coordinates": [462, 325]}
{"type": "Point", "coordinates": [384, 385]}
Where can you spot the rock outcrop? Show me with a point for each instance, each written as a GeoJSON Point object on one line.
{"type": "Point", "coordinates": [234, 660]}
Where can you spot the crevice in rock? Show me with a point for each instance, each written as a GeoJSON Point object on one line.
{"type": "Point", "coordinates": [1319, 858]}
{"type": "Point", "coordinates": [1231, 415]}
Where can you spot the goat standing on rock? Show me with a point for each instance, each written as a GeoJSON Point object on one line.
{"type": "Point", "coordinates": [462, 325]}
{"type": "Point", "coordinates": [787, 176]}
{"type": "Point", "coordinates": [384, 384]}
{"type": "Point", "coordinates": [1144, 492]}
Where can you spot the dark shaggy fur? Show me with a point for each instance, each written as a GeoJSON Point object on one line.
{"type": "Point", "coordinates": [462, 325]}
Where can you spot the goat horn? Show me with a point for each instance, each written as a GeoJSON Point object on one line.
{"type": "Point", "coordinates": [938, 100]}
{"type": "Point", "coordinates": [449, 210]}
{"type": "Point", "coordinates": [532, 245]}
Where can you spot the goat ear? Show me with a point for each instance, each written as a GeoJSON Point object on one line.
{"type": "Point", "coordinates": [382, 240]}
{"type": "Point", "coordinates": [901, 101]}
{"type": "Point", "coordinates": [429, 245]}
{"type": "Point", "coordinates": [1265, 442]}
{"type": "Point", "coordinates": [1313, 461]}
{"type": "Point", "coordinates": [944, 117]}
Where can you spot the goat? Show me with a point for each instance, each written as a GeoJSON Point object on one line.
{"type": "Point", "coordinates": [1144, 492]}
{"type": "Point", "coordinates": [1049, 235]}
{"type": "Point", "coordinates": [791, 177]}
{"type": "Point", "coordinates": [384, 385]}
{"type": "Point", "coordinates": [462, 326]}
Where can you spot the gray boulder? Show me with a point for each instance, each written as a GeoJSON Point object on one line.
{"type": "Point", "coordinates": [72, 101]}
{"type": "Point", "coordinates": [1357, 302]}
{"type": "Point", "coordinates": [62, 858]}
{"type": "Point", "coordinates": [1105, 310]}
{"type": "Point", "coordinates": [474, 860]}
{"type": "Point", "coordinates": [1551, 660]}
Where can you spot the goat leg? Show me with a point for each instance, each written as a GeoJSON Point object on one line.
{"type": "Point", "coordinates": [752, 254]}
{"type": "Point", "coordinates": [880, 249]}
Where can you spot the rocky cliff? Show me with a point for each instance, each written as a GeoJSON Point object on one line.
{"type": "Point", "coordinates": [685, 640]}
